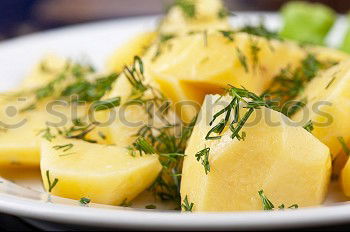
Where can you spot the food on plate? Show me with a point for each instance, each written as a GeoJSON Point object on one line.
{"type": "Point", "coordinates": [199, 114]}
{"type": "Point", "coordinates": [307, 22]}
{"type": "Point", "coordinates": [114, 176]}
{"type": "Point", "coordinates": [224, 169]}
{"type": "Point", "coordinates": [186, 16]}
{"type": "Point", "coordinates": [325, 99]}
{"type": "Point", "coordinates": [49, 97]}
{"type": "Point", "coordinates": [125, 54]}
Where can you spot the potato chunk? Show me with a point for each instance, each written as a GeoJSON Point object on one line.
{"type": "Point", "coordinates": [105, 174]}
{"type": "Point", "coordinates": [287, 162]}
{"type": "Point", "coordinates": [327, 106]}
{"type": "Point", "coordinates": [200, 64]}
{"type": "Point", "coordinates": [20, 134]}
{"type": "Point", "coordinates": [124, 55]}
{"type": "Point", "coordinates": [345, 178]}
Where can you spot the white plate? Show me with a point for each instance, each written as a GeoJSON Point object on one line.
{"type": "Point", "coordinates": [22, 194]}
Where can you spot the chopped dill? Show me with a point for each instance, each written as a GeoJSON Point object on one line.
{"type": "Point", "coordinates": [261, 31]}
{"type": "Point", "coordinates": [186, 205]}
{"type": "Point", "coordinates": [228, 35]}
{"type": "Point", "coordinates": [143, 147]}
{"type": "Point", "coordinates": [51, 185]}
{"type": "Point", "coordinates": [84, 201]}
{"type": "Point", "coordinates": [345, 147]}
{"type": "Point", "coordinates": [188, 7]}
{"type": "Point", "coordinates": [309, 126]}
{"type": "Point", "coordinates": [267, 204]}
{"type": "Point", "coordinates": [203, 156]}
{"type": "Point", "coordinates": [46, 134]}
{"type": "Point", "coordinates": [331, 82]}
{"type": "Point", "coordinates": [106, 104]}
{"type": "Point", "coordinates": [151, 206]}
{"type": "Point", "coordinates": [126, 203]}
{"type": "Point", "coordinates": [65, 147]}
{"type": "Point", "coordinates": [242, 59]}
{"type": "Point", "coordinates": [251, 101]}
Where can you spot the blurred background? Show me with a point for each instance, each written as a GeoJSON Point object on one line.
{"type": "Point", "coordinates": [18, 17]}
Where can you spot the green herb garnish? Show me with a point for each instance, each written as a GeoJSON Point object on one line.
{"type": "Point", "coordinates": [84, 201]}
{"type": "Point", "coordinates": [267, 204]}
{"type": "Point", "coordinates": [251, 101]}
{"type": "Point", "coordinates": [228, 35]}
{"type": "Point", "coordinates": [186, 206]}
{"type": "Point", "coordinates": [188, 7]}
{"type": "Point", "coordinates": [106, 104]}
{"type": "Point", "coordinates": [46, 134]}
{"type": "Point", "coordinates": [203, 156]}
{"type": "Point", "coordinates": [151, 206]}
{"type": "Point", "coordinates": [143, 146]}
{"type": "Point", "coordinates": [242, 59]}
{"type": "Point", "coordinates": [65, 147]}
{"type": "Point", "coordinates": [53, 184]}
{"type": "Point", "coordinates": [125, 203]}
{"type": "Point", "coordinates": [309, 126]}
{"type": "Point", "coordinates": [345, 147]}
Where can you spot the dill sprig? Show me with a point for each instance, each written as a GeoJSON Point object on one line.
{"type": "Point", "coordinates": [106, 104]}
{"type": "Point", "coordinates": [126, 203]}
{"type": "Point", "coordinates": [188, 7]}
{"type": "Point", "coordinates": [228, 34]}
{"type": "Point", "coordinates": [65, 147]}
{"type": "Point", "coordinates": [162, 140]}
{"type": "Point", "coordinates": [267, 204]}
{"type": "Point", "coordinates": [242, 59]}
{"type": "Point", "coordinates": [79, 130]}
{"type": "Point", "coordinates": [186, 205]}
{"type": "Point", "coordinates": [51, 184]}
{"type": "Point", "coordinates": [260, 30]}
{"type": "Point", "coordinates": [239, 95]}
{"type": "Point", "coordinates": [143, 146]}
{"type": "Point", "coordinates": [203, 157]}
{"type": "Point", "coordinates": [344, 146]}
{"type": "Point", "coordinates": [224, 13]}
{"type": "Point", "coordinates": [84, 201]}
{"type": "Point", "coordinates": [47, 134]}
{"type": "Point", "coordinates": [288, 84]}
{"type": "Point", "coordinates": [90, 91]}
{"type": "Point", "coordinates": [309, 126]}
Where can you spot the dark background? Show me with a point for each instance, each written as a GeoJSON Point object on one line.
{"type": "Point", "coordinates": [18, 17]}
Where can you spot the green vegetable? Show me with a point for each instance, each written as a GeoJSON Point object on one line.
{"type": "Point", "coordinates": [307, 22]}
{"type": "Point", "coordinates": [346, 42]}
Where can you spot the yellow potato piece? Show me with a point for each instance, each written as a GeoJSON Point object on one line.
{"type": "Point", "coordinates": [287, 162]}
{"type": "Point", "coordinates": [124, 55]}
{"type": "Point", "coordinates": [20, 133]}
{"type": "Point", "coordinates": [104, 174]}
{"type": "Point", "coordinates": [44, 71]}
{"type": "Point", "coordinates": [206, 17]}
{"type": "Point", "coordinates": [199, 64]}
{"type": "Point", "coordinates": [345, 178]}
{"type": "Point", "coordinates": [328, 106]}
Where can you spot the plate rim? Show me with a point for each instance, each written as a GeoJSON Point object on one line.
{"type": "Point", "coordinates": [143, 218]}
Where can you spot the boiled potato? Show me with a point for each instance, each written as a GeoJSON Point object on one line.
{"type": "Point", "coordinates": [194, 15]}
{"type": "Point", "coordinates": [20, 138]}
{"type": "Point", "coordinates": [124, 55]}
{"type": "Point", "coordinates": [287, 162]}
{"type": "Point", "coordinates": [345, 178]}
{"type": "Point", "coordinates": [328, 106]}
{"type": "Point", "coordinates": [104, 174]}
{"type": "Point", "coordinates": [44, 71]}
{"type": "Point", "coordinates": [199, 64]}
